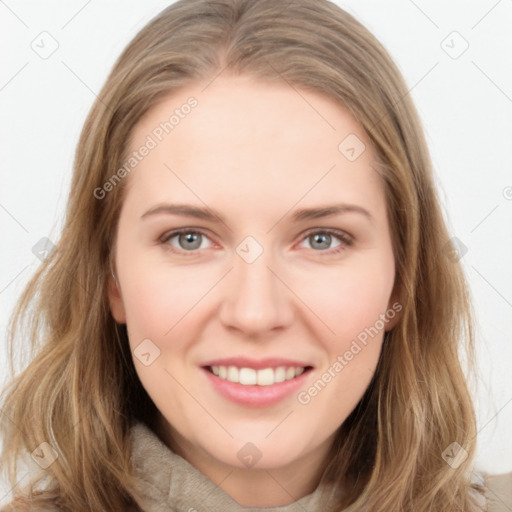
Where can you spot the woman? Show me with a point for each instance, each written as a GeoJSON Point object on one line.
{"type": "Point", "coordinates": [256, 369]}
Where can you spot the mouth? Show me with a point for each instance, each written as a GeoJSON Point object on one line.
{"type": "Point", "coordinates": [254, 382]}
{"type": "Point", "coordinates": [257, 377]}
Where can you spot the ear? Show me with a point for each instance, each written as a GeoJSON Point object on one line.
{"type": "Point", "coordinates": [395, 308]}
{"type": "Point", "coordinates": [116, 301]}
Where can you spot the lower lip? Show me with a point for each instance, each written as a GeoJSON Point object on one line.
{"type": "Point", "coordinates": [253, 395]}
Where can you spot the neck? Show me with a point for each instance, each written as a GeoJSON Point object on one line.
{"type": "Point", "coordinates": [272, 487]}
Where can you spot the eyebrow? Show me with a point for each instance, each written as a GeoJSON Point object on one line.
{"type": "Point", "coordinates": [189, 210]}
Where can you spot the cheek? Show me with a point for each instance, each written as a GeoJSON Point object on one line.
{"type": "Point", "coordinates": [144, 305]}
{"type": "Point", "coordinates": [352, 307]}
{"type": "Point", "coordinates": [159, 299]}
{"type": "Point", "coordinates": [351, 301]}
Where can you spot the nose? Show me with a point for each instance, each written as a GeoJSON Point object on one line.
{"type": "Point", "coordinates": [257, 300]}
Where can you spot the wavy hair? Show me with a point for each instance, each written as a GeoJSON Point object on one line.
{"type": "Point", "coordinates": [80, 391]}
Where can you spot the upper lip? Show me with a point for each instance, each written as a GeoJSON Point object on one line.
{"type": "Point", "coordinates": [256, 364]}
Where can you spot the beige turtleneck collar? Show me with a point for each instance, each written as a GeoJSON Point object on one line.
{"type": "Point", "coordinates": [169, 483]}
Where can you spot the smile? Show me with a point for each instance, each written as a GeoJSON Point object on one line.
{"type": "Point", "coordinates": [272, 381]}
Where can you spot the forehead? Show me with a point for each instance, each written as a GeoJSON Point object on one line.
{"type": "Point", "coordinates": [239, 137]}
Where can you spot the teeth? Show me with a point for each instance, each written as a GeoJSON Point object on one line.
{"type": "Point", "coordinates": [280, 374]}
{"type": "Point", "coordinates": [232, 374]}
{"type": "Point", "coordinates": [247, 376]}
{"type": "Point", "coordinates": [263, 377]}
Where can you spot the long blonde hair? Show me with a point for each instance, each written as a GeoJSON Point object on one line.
{"type": "Point", "coordinates": [80, 392]}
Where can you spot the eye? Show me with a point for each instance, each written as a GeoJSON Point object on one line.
{"type": "Point", "coordinates": [322, 239]}
{"type": "Point", "coordinates": [188, 240]}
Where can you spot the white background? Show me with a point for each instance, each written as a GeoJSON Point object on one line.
{"type": "Point", "coordinates": [465, 104]}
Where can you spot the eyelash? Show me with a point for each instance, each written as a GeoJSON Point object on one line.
{"type": "Point", "coordinates": [345, 239]}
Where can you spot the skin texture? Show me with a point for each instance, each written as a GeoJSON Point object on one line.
{"type": "Point", "coordinates": [255, 152]}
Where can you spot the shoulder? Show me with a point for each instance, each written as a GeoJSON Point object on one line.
{"type": "Point", "coordinates": [498, 490]}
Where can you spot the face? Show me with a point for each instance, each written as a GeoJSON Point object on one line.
{"type": "Point", "coordinates": [256, 328]}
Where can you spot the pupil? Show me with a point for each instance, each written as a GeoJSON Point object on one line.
{"type": "Point", "coordinates": [190, 237]}
{"type": "Point", "coordinates": [325, 236]}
